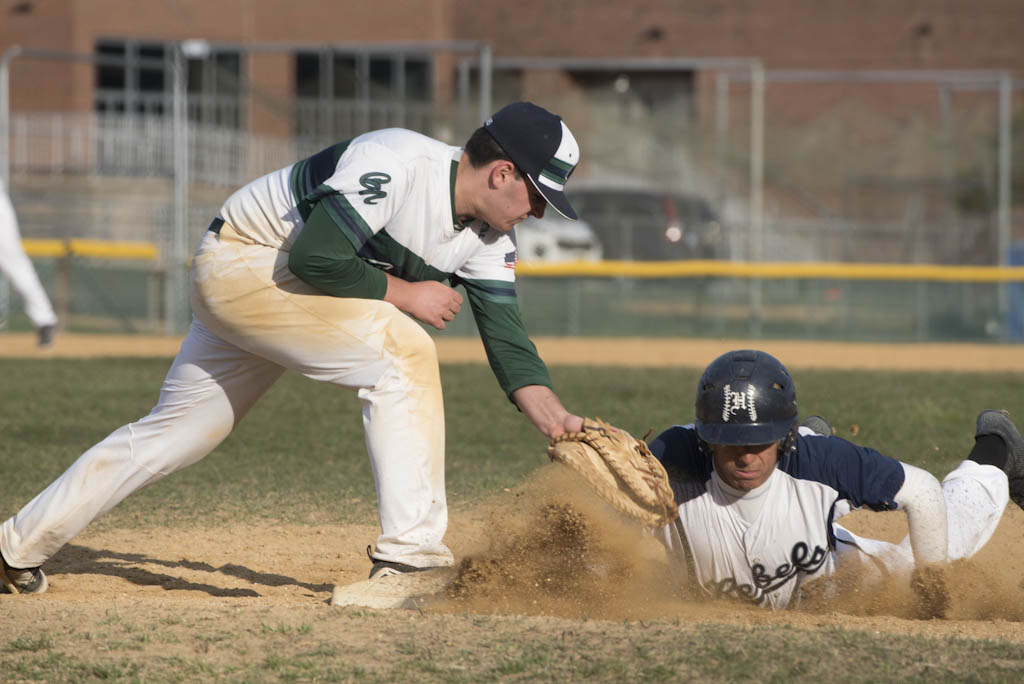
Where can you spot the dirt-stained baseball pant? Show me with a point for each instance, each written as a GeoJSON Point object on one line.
{"type": "Point", "coordinates": [252, 320]}
{"type": "Point", "coordinates": [976, 496]}
{"type": "Point", "coordinates": [15, 264]}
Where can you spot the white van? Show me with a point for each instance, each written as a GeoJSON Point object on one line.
{"type": "Point", "coordinates": [556, 238]}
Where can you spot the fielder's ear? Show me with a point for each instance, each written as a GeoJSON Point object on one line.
{"type": "Point", "coordinates": [502, 172]}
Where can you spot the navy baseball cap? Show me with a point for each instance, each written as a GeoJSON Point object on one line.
{"type": "Point", "coordinates": [541, 145]}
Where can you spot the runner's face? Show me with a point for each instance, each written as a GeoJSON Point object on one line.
{"type": "Point", "coordinates": [745, 466]}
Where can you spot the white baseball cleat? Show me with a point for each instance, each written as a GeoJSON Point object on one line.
{"type": "Point", "coordinates": [391, 588]}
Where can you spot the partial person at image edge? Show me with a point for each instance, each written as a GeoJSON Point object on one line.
{"type": "Point", "coordinates": [17, 267]}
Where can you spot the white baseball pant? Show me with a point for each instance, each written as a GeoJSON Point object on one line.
{"type": "Point", "coordinates": [253, 319]}
{"type": "Point", "coordinates": [976, 496]}
{"type": "Point", "coordinates": [15, 264]}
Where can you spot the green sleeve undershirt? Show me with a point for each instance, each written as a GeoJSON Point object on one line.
{"type": "Point", "coordinates": [511, 354]}
{"type": "Point", "coordinates": [323, 257]}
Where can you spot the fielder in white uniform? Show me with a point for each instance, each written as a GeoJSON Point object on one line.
{"type": "Point", "coordinates": [321, 267]}
{"type": "Point", "coordinates": [17, 267]}
{"type": "Point", "coordinates": [759, 497]}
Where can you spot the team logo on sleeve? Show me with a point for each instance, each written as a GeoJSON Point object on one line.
{"type": "Point", "coordinates": [372, 182]}
{"type": "Point", "coordinates": [739, 401]}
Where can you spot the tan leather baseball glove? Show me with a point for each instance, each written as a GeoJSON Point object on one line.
{"type": "Point", "coordinates": [620, 468]}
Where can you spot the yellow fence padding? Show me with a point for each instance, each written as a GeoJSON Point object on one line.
{"type": "Point", "coordinates": [801, 270]}
{"type": "Point", "coordinates": [91, 249]}
{"type": "Point", "coordinates": [697, 268]}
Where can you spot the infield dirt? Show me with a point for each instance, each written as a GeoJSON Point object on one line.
{"type": "Point", "coordinates": [538, 555]}
{"type": "Point", "coordinates": [543, 558]}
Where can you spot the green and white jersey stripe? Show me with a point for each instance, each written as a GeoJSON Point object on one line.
{"type": "Point", "coordinates": [307, 176]}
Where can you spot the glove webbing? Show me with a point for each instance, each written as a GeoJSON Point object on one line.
{"type": "Point", "coordinates": [634, 477]}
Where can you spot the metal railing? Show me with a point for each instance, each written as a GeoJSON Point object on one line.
{"type": "Point", "coordinates": [920, 302]}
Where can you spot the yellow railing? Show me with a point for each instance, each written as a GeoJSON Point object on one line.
{"type": "Point", "coordinates": [774, 270]}
{"type": "Point", "coordinates": [91, 249]}
{"type": "Point", "coordinates": [801, 270]}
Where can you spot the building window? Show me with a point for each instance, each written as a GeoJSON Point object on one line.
{"type": "Point", "coordinates": [342, 94]}
{"type": "Point", "coordinates": [215, 89]}
{"type": "Point", "coordinates": [131, 78]}
{"type": "Point", "coordinates": [135, 77]}
{"type": "Point", "coordinates": [110, 76]}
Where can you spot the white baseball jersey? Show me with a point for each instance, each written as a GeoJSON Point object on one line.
{"type": "Point", "coordinates": [765, 544]}
{"type": "Point", "coordinates": [762, 545]}
{"type": "Point", "coordinates": [394, 181]}
{"type": "Point", "coordinates": [392, 195]}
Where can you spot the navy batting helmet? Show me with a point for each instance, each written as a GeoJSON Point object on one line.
{"type": "Point", "coordinates": [745, 397]}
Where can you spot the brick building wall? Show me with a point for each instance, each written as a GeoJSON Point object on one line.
{"type": "Point", "coordinates": [75, 26]}
{"type": "Point", "coordinates": [785, 34]}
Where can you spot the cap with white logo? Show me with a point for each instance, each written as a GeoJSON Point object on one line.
{"type": "Point", "coordinates": [541, 145]}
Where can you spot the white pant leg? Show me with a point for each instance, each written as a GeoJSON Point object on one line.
{"type": "Point", "coordinates": [975, 495]}
{"type": "Point", "coordinates": [246, 294]}
{"type": "Point", "coordinates": [877, 559]}
{"type": "Point", "coordinates": [208, 389]}
{"type": "Point", "coordinates": [403, 416]}
{"type": "Point", "coordinates": [16, 265]}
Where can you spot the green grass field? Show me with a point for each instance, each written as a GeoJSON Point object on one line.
{"type": "Point", "coordinates": [299, 458]}
{"type": "Point", "coordinates": [288, 456]}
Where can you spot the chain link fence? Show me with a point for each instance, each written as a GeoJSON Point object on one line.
{"type": "Point", "coordinates": [853, 171]}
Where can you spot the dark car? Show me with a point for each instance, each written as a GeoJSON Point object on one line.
{"type": "Point", "coordinates": [643, 224]}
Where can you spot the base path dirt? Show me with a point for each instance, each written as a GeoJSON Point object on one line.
{"type": "Point", "coordinates": [624, 351]}
{"type": "Point", "coordinates": [556, 561]}
{"type": "Point", "coordinates": [238, 583]}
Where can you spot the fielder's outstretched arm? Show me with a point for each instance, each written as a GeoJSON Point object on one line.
{"type": "Point", "coordinates": [544, 409]}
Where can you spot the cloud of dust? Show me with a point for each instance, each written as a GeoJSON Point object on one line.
{"type": "Point", "coordinates": [987, 586]}
{"type": "Point", "coordinates": [553, 548]}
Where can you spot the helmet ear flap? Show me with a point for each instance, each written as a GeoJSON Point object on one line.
{"type": "Point", "coordinates": [788, 445]}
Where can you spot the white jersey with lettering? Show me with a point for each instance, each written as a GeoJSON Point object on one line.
{"type": "Point", "coordinates": [764, 545]}
{"type": "Point", "coordinates": [392, 194]}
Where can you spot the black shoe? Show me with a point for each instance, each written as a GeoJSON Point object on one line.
{"type": "Point", "coordinates": [380, 566]}
{"type": "Point", "coordinates": [993, 422]}
{"type": "Point", "coordinates": [46, 335]}
{"type": "Point", "coordinates": [819, 426]}
{"type": "Point", "coordinates": [21, 581]}
{"type": "Point", "coordinates": [391, 567]}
